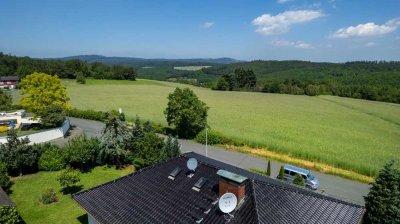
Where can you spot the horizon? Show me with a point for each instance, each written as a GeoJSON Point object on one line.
{"type": "Point", "coordinates": [333, 31]}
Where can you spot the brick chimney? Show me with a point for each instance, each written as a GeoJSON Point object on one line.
{"type": "Point", "coordinates": [233, 183]}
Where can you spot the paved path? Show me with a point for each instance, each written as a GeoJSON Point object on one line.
{"type": "Point", "coordinates": [348, 190]}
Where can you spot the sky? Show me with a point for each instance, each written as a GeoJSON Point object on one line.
{"type": "Point", "coordinates": [325, 30]}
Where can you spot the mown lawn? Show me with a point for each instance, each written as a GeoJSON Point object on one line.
{"type": "Point", "coordinates": [27, 190]}
{"type": "Point", "coordinates": [358, 135]}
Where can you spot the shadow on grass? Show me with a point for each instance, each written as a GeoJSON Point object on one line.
{"type": "Point", "coordinates": [72, 189]}
{"type": "Point", "coordinates": [83, 219]}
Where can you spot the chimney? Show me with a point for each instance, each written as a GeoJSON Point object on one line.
{"type": "Point", "coordinates": [233, 183]}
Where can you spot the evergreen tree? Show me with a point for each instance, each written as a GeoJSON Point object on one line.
{"type": "Point", "coordinates": [281, 173]}
{"type": "Point", "coordinates": [269, 168]}
{"type": "Point", "coordinates": [383, 200]}
{"type": "Point", "coordinates": [5, 181]}
{"type": "Point", "coordinates": [114, 146]}
{"type": "Point", "coordinates": [16, 153]}
{"type": "Point", "coordinates": [171, 147]}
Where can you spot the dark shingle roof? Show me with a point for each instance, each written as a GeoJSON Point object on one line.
{"type": "Point", "coordinates": [149, 196]}
{"type": "Point", "coordinates": [5, 201]}
{"type": "Point", "coordinates": [9, 78]}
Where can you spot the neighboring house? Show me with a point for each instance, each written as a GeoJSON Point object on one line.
{"type": "Point", "coordinates": [18, 118]}
{"type": "Point", "coordinates": [9, 82]}
{"type": "Point", "coordinates": [165, 193]}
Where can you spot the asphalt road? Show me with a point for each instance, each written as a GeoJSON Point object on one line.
{"type": "Point", "coordinates": [338, 187]}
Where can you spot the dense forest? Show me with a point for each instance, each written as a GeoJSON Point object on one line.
{"type": "Point", "coordinates": [22, 66]}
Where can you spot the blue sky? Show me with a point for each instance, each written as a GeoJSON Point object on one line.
{"type": "Point", "coordinates": [329, 30]}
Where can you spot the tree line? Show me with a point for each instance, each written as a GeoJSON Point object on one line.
{"type": "Point", "coordinates": [70, 69]}
{"type": "Point", "coordinates": [378, 80]}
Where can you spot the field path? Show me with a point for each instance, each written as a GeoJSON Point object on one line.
{"type": "Point", "coordinates": [338, 187]}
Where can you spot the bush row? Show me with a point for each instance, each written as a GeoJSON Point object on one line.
{"type": "Point", "coordinates": [88, 114]}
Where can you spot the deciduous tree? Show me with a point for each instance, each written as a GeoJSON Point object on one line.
{"type": "Point", "coordinates": [186, 112]}
{"type": "Point", "coordinates": [41, 90]}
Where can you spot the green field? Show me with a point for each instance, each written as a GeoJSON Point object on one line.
{"type": "Point", "coordinates": [348, 133]}
{"type": "Point", "coordinates": [27, 190]}
{"type": "Point", "coordinates": [190, 68]}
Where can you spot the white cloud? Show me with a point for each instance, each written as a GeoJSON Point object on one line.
{"type": "Point", "coordinates": [268, 24]}
{"type": "Point", "coordinates": [367, 29]}
{"type": "Point", "coordinates": [370, 44]}
{"type": "Point", "coordinates": [296, 44]}
{"type": "Point", "coordinates": [207, 25]}
{"type": "Point", "coordinates": [283, 1]}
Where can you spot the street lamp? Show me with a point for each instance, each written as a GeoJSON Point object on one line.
{"type": "Point", "coordinates": [206, 142]}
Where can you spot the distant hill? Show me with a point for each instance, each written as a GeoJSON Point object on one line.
{"type": "Point", "coordinates": [143, 62]}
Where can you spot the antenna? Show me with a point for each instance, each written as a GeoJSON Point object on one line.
{"type": "Point", "coordinates": [227, 203]}
{"type": "Point", "coordinates": [192, 164]}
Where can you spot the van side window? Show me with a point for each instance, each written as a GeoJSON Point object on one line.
{"type": "Point", "coordinates": [304, 177]}
{"type": "Point", "coordinates": [287, 171]}
{"type": "Point", "coordinates": [292, 173]}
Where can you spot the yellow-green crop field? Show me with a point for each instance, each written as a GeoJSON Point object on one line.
{"type": "Point", "coordinates": [357, 135]}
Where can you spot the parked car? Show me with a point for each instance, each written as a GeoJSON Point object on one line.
{"type": "Point", "coordinates": [310, 180]}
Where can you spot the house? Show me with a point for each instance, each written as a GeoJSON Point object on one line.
{"type": "Point", "coordinates": [17, 118]}
{"type": "Point", "coordinates": [170, 193]}
{"type": "Point", "coordinates": [9, 82]}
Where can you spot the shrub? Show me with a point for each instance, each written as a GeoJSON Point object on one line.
{"type": "Point", "coordinates": [3, 129]}
{"type": "Point", "coordinates": [299, 180]}
{"type": "Point", "coordinates": [48, 197]}
{"type": "Point", "coordinates": [281, 173]}
{"type": "Point", "coordinates": [88, 114]}
{"type": "Point", "coordinates": [80, 78]}
{"type": "Point", "coordinates": [9, 216]}
{"type": "Point", "coordinates": [68, 178]}
{"type": "Point", "coordinates": [213, 137]}
{"type": "Point", "coordinates": [52, 158]}
{"type": "Point", "coordinates": [53, 116]}
{"type": "Point", "coordinates": [5, 181]}
{"type": "Point", "coordinates": [81, 151]}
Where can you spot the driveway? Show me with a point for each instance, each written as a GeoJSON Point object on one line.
{"type": "Point", "coordinates": [338, 187]}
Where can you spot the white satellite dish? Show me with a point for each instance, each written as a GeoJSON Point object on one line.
{"type": "Point", "coordinates": [227, 203]}
{"type": "Point", "coordinates": [192, 164]}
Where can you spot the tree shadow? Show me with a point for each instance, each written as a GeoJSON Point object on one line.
{"type": "Point", "coordinates": [83, 219]}
{"type": "Point", "coordinates": [72, 189]}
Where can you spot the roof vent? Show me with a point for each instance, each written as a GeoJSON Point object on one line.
{"type": "Point", "coordinates": [174, 173]}
{"type": "Point", "coordinates": [199, 184]}
{"type": "Point", "coordinates": [232, 182]}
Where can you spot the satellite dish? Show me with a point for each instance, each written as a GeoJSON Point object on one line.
{"type": "Point", "coordinates": [227, 203]}
{"type": "Point", "coordinates": [192, 164]}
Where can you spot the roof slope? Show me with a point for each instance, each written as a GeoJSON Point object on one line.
{"type": "Point", "coordinates": [149, 196]}
{"type": "Point", "coordinates": [5, 201]}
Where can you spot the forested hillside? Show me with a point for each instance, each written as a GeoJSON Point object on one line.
{"type": "Point", "coordinates": [22, 66]}
{"type": "Point", "coordinates": [370, 80]}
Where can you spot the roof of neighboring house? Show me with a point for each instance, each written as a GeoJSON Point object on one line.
{"type": "Point", "coordinates": [149, 196]}
{"type": "Point", "coordinates": [9, 78]}
{"type": "Point", "coordinates": [5, 201]}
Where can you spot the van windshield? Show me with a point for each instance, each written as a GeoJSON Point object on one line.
{"type": "Point", "coordinates": [310, 177]}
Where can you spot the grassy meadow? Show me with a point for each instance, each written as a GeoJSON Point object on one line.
{"type": "Point", "coordinates": [27, 190]}
{"type": "Point", "coordinates": [348, 133]}
{"type": "Point", "coordinates": [191, 68]}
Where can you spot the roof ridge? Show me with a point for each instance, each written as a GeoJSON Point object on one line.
{"type": "Point", "coordinates": [255, 201]}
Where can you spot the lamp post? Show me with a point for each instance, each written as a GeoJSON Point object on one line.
{"type": "Point", "coordinates": [206, 142]}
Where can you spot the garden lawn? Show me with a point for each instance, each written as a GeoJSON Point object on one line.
{"type": "Point", "coordinates": [27, 190]}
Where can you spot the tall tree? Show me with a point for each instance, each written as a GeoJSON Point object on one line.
{"type": "Point", "coordinates": [383, 200]}
{"type": "Point", "coordinates": [42, 90]}
{"type": "Point", "coordinates": [186, 112]}
{"type": "Point", "coordinates": [114, 146]}
{"type": "Point", "coordinates": [17, 154]}
{"type": "Point", "coordinates": [53, 116]}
